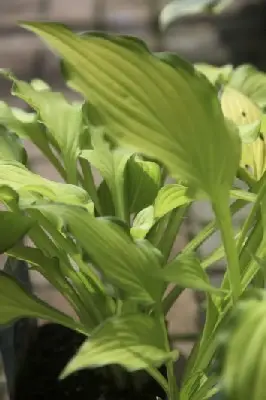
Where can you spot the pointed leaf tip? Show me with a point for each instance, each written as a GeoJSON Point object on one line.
{"type": "Point", "coordinates": [145, 102]}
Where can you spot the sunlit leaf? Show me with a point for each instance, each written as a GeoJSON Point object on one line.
{"type": "Point", "coordinates": [51, 269]}
{"type": "Point", "coordinates": [249, 133]}
{"type": "Point", "coordinates": [10, 146]}
{"type": "Point", "coordinates": [243, 376]}
{"type": "Point", "coordinates": [8, 195]}
{"type": "Point", "coordinates": [134, 342]}
{"type": "Point", "coordinates": [238, 108]}
{"type": "Point", "coordinates": [143, 101]}
{"type": "Point", "coordinates": [39, 85]}
{"type": "Point", "coordinates": [23, 181]}
{"type": "Point", "coordinates": [62, 119]}
{"type": "Point", "coordinates": [143, 183]}
{"type": "Point", "coordinates": [111, 164]}
{"type": "Point", "coordinates": [215, 74]}
{"type": "Point", "coordinates": [251, 82]}
{"type": "Point", "coordinates": [170, 197]}
{"type": "Point", "coordinates": [15, 303]}
{"type": "Point", "coordinates": [13, 227]}
{"type": "Point", "coordinates": [27, 126]}
{"type": "Point", "coordinates": [177, 9]}
{"type": "Point", "coordinates": [131, 267]}
{"type": "Point", "coordinates": [186, 271]}
{"type": "Point", "coordinates": [47, 266]}
{"type": "Point", "coordinates": [142, 223]}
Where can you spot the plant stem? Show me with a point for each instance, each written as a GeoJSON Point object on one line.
{"type": "Point", "coordinates": [244, 176]}
{"type": "Point", "coordinates": [224, 220]}
{"type": "Point", "coordinates": [193, 245]}
{"type": "Point", "coordinates": [159, 378]}
{"type": "Point", "coordinates": [172, 386]}
{"type": "Point", "coordinates": [207, 346]}
{"type": "Point", "coordinates": [216, 255]}
{"type": "Point", "coordinates": [209, 229]}
{"type": "Point", "coordinates": [171, 297]}
{"type": "Point", "coordinates": [42, 241]}
{"type": "Point", "coordinates": [53, 160]}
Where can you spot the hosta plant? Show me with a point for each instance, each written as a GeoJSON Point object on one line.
{"type": "Point", "coordinates": [175, 10]}
{"type": "Point", "coordinates": [105, 243]}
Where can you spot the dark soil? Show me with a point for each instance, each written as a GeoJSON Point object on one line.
{"type": "Point", "coordinates": [47, 355]}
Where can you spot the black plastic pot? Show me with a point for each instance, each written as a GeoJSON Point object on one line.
{"type": "Point", "coordinates": [48, 353]}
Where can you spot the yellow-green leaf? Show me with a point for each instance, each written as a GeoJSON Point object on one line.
{"type": "Point", "coordinates": [132, 341]}
{"type": "Point", "coordinates": [111, 164]}
{"type": "Point", "coordinates": [27, 184]}
{"type": "Point", "coordinates": [16, 303]}
{"type": "Point", "coordinates": [11, 147]}
{"type": "Point", "coordinates": [186, 271]}
{"type": "Point", "coordinates": [13, 227]}
{"type": "Point", "coordinates": [251, 82]}
{"type": "Point", "coordinates": [238, 108]}
{"type": "Point", "coordinates": [131, 266]}
{"type": "Point", "coordinates": [143, 222]}
{"type": "Point", "coordinates": [160, 105]}
{"type": "Point", "coordinates": [170, 197]}
{"type": "Point", "coordinates": [62, 119]}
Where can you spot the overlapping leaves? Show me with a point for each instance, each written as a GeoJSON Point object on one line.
{"type": "Point", "coordinates": [31, 186]}
{"type": "Point", "coordinates": [244, 371]}
{"type": "Point", "coordinates": [246, 114]}
{"type": "Point", "coordinates": [62, 119]}
{"type": "Point", "coordinates": [133, 341]}
{"type": "Point", "coordinates": [132, 267]}
{"type": "Point", "coordinates": [16, 303]}
{"type": "Point", "coordinates": [143, 100]}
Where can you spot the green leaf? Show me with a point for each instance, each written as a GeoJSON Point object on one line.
{"type": "Point", "coordinates": [132, 341]}
{"type": "Point", "coordinates": [16, 303]}
{"type": "Point", "coordinates": [129, 266]}
{"type": "Point", "coordinates": [143, 183]}
{"type": "Point", "coordinates": [250, 132]}
{"type": "Point", "coordinates": [10, 147]}
{"type": "Point", "coordinates": [62, 119]}
{"type": "Point", "coordinates": [8, 196]}
{"type": "Point", "coordinates": [243, 195]}
{"type": "Point", "coordinates": [111, 164]}
{"type": "Point", "coordinates": [238, 108]}
{"type": "Point", "coordinates": [144, 100]}
{"type": "Point", "coordinates": [105, 199]}
{"type": "Point", "coordinates": [48, 266]}
{"type": "Point", "coordinates": [186, 271]}
{"type": "Point", "coordinates": [24, 182]}
{"type": "Point", "coordinates": [39, 85]}
{"type": "Point", "coordinates": [177, 9]}
{"type": "Point", "coordinates": [199, 358]}
{"type": "Point", "coordinates": [27, 126]}
{"type": "Point", "coordinates": [263, 124]}
{"type": "Point", "coordinates": [243, 374]}
{"type": "Point", "coordinates": [170, 197]}
{"type": "Point", "coordinates": [251, 82]}
{"type": "Point", "coordinates": [142, 223]}
{"type": "Point", "coordinates": [51, 269]}
{"type": "Point", "coordinates": [215, 74]}
{"type": "Point", "coordinates": [13, 227]}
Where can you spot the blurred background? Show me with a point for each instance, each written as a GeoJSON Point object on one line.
{"type": "Point", "coordinates": [238, 35]}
